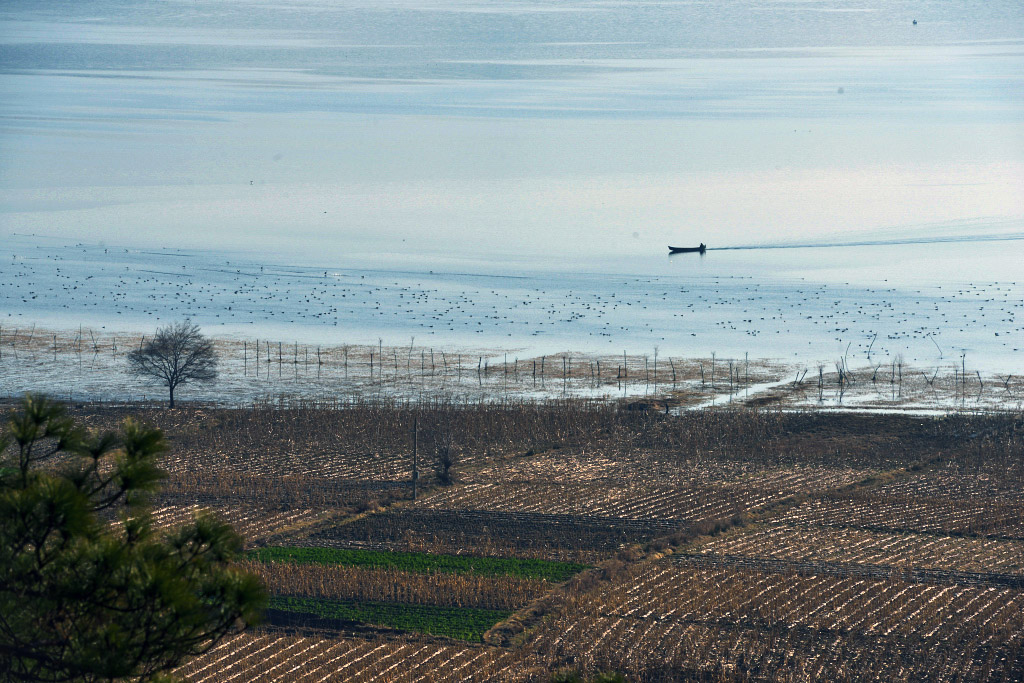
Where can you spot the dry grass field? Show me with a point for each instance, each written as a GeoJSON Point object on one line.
{"type": "Point", "coordinates": [715, 545]}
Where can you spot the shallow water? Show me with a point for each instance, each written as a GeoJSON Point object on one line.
{"type": "Point", "coordinates": [927, 303]}
{"type": "Point", "coordinates": [509, 175]}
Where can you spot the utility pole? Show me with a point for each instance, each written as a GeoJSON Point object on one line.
{"type": "Point", "coordinates": [415, 453]}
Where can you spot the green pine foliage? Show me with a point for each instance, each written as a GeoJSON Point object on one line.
{"type": "Point", "coordinates": [89, 590]}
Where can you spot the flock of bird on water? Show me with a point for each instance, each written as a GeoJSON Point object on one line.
{"type": "Point", "coordinates": [124, 289]}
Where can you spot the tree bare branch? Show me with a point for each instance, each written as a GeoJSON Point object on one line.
{"type": "Point", "coordinates": [178, 354]}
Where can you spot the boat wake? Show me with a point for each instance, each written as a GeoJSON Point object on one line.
{"type": "Point", "coordinates": [945, 239]}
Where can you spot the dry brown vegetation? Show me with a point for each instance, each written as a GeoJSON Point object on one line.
{"type": "Point", "coordinates": [808, 542]}
{"type": "Point", "coordinates": [663, 620]}
{"type": "Point", "coordinates": [725, 545]}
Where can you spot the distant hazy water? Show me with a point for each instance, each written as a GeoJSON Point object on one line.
{"type": "Point", "coordinates": [563, 143]}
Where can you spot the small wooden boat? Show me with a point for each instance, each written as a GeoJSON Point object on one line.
{"type": "Point", "coordinates": [688, 250]}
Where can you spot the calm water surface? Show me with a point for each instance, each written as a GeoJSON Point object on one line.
{"type": "Point", "coordinates": [510, 174]}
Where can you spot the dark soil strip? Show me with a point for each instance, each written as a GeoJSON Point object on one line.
{"type": "Point", "coordinates": [466, 527]}
{"type": "Point", "coordinates": [896, 529]}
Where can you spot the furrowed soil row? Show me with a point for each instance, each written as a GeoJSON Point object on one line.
{"type": "Point", "coordinates": [252, 524]}
{"type": "Point", "coordinates": [601, 501]}
{"type": "Point", "coordinates": [867, 627]}
{"type": "Point", "coordinates": [613, 488]}
{"type": "Point", "coordinates": [844, 544]}
{"type": "Point", "coordinates": [1002, 486]}
{"type": "Point", "coordinates": [937, 516]}
{"type": "Point", "coordinates": [813, 567]}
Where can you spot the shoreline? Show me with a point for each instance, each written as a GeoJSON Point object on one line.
{"type": "Point", "coordinates": [83, 366]}
{"type": "Point", "coordinates": [801, 307]}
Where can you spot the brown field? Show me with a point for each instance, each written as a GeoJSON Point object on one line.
{"type": "Point", "coordinates": [665, 619]}
{"type": "Point", "coordinates": [826, 544]}
{"type": "Point", "coordinates": [723, 545]}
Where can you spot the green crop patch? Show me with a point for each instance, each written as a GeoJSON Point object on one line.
{"type": "Point", "coordinates": [421, 562]}
{"type": "Point", "coordinates": [463, 623]}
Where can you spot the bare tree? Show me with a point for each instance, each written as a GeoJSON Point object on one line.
{"type": "Point", "coordinates": [178, 354]}
{"type": "Point", "coordinates": [439, 434]}
{"type": "Point", "coordinates": [444, 448]}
